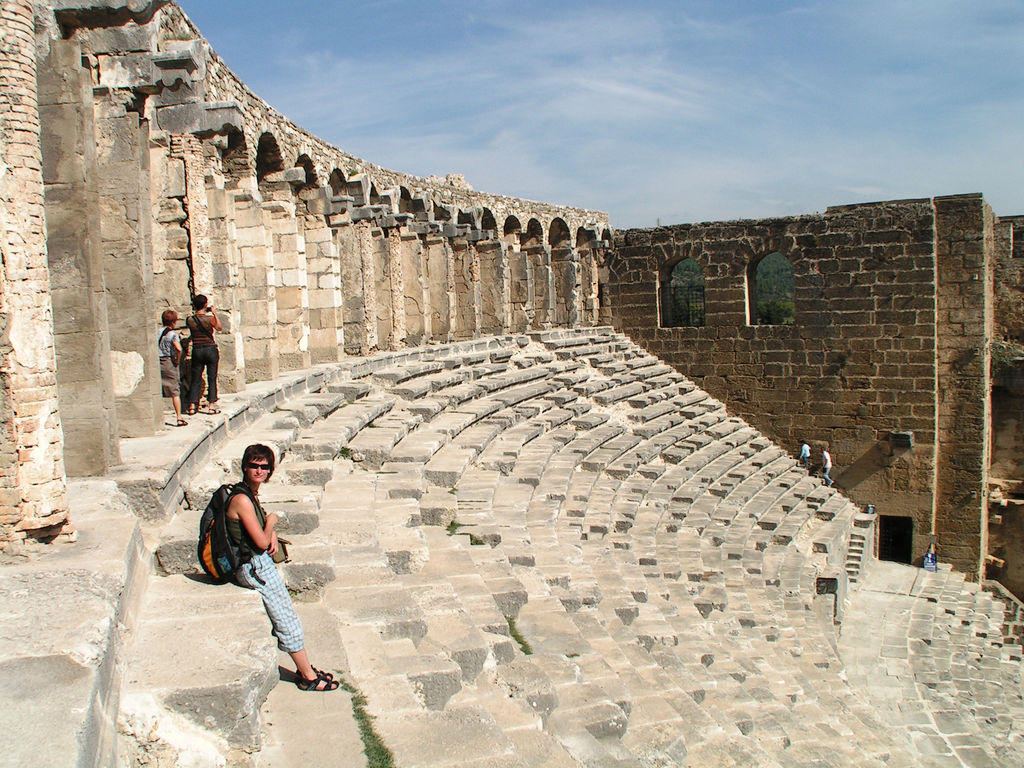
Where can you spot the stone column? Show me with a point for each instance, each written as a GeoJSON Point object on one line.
{"type": "Point", "coordinates": [292, 294]}
{"type": "Point", "coordinates": [76, 285]}
{"type": "Point", "coordinates": [521, 291]}
{"type": "Point", "coordinates": [543, 286]}
{"type": "Point", "coordinates": [33, 497]}
{"type": "Point", "coordinates": [122, 165]}
{"type": "Point", "coordinates": [440, 286]}
{"type": "Point", "coordinates": [190, 150]}
{"type": "Point", "coordinates": [395, 287]}
{"type": "Point", "coordinates": [258, 288]}
{"type": "Point", "coordinates": [416, 297]}
{"type": "Point", "coordinates": [963, 261]}
{"type": "Point", "coordinates": [467, 290]}
{"type": "Point", "coordinates": [495, 315]}
{"type": "Point", "coordinates": [367, 251]}
{"type": "Point", "coordinates": [226, 290]}
{"type": "Point", "coordinates": [588, 304]}
{"type": "Point", "coordinates": [323, 273]}
{"type": "Point", "coordinates": [353, 311]}
{"type": "Point", "coordinates": [565, 273]}
{"type": "Point", "coordinates": [173, 285]}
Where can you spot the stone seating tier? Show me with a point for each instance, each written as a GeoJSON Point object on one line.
{"type": "Point", "coordinates": [520, 557]}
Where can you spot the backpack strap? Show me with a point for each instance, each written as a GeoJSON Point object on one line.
{"type": "Point", "coordinates": [163, 333]}
{"type": "Point", "coordinates": [198, 324]}
{"type": "Point", "coordinates": [261, 516]}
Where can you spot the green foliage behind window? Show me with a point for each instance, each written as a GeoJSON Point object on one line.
{"type": "Point", "coordinates": [774, 291]}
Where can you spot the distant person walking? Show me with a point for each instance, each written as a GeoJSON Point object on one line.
{"type": "Point", "coordinates": [247, 520]}
{"type": "Point", "coordinates": [805, 454]}
{"type": "Point", "coordinates": [826, 465]}
{"type": "Point", "coordinates": [169, 346]}
{"type": "Point", "coordinates": [205, 355]}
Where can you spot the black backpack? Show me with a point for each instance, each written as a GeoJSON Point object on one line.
{"type": "Point", "coordinates": [220, 555]}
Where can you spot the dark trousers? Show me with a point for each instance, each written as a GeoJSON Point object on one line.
{"type": "Point", "coordinates": [208, 358]}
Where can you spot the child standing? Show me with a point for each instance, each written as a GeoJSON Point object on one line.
{"type": "Point", "coordinates": [169, 346]}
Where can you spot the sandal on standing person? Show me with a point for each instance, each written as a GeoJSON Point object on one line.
{"type": "Point", "coordinates": [169, 346]}
{"type": "Point", "coordinates": [201, 326]}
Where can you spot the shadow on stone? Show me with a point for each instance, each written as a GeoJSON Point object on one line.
{"type": "Point", "coordinates": [306, 582]}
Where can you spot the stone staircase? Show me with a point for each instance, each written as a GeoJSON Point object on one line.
{"type": "Point", "coordinates": [930, 651]}
{"type": "Point", "coordinates": [548, 550]}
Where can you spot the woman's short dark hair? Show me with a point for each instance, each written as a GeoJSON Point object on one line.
{"type": "Point", "coordinates": [198, 301]}
{"type": "Point", "coordinates": [258, 451]}
{"type": "Point", "coordinates": [169, 317]}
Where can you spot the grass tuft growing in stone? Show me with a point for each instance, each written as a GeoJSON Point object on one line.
{"type": "Point", "coordinates": [453, 530]}
{"type": "Point", "coordinates": [524, 645]}
{"type": "Point", "coordinates": [345, 453]}
{"type": "Point", "coordinates": [377, 754]}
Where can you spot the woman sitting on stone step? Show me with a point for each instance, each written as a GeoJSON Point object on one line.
{"type": "Point", "coordinates": [247, 519]}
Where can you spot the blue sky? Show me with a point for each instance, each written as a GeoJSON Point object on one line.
{"type": "Point", "coordinates": [653, 110]}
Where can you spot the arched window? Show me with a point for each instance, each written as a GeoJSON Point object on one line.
{"type": "Point", "coordinates": [771, 293]}
{"type": "Point", "coordinates": [682, 296]}
{"type": "Point", "coordinates": [307, 165]}
{"type": "Point", "coordinates": [268, 157]}
{"type": "Point", "coordinates": [511, 232]}
{"type": "Point", "coordinates": [534, 234]}
{"type": "Point", "coordinates": [558, 234]}
{"type": "Point", "coordinates": [235, 161]}
{"type": "Point", "coordinates": [487, 222]}
{"type": "Point", "coordinates": [337, 182]}
{"type": "Point", "coordinates": [405, 201]}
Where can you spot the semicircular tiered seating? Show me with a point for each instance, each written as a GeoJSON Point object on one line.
{"type": "Point", "coordinates": [552, 549]}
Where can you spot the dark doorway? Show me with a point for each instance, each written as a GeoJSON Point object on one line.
{"type": "Point", "coordinates": [895, 538]}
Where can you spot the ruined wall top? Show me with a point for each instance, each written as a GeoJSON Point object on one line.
{"type": "Point", "coordinates": [152, 50]}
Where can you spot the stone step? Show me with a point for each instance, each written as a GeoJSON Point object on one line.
{"type": "Point", "coordinates": [666, 625]}
{"type": "Point", "coordinates": [297, 728]}
{"type": "Point", "coordinates": [62, 648]}
{"type": "Point", "coordinates": [209, 664]}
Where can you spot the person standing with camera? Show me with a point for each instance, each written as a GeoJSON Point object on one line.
{"type": "Point", "coordinates": [202, 325]}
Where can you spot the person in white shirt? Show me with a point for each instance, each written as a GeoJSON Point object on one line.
{"type": "Point", "coordinates": [826, 466]}
{"type": "Point", "coordinates": [805, 455]}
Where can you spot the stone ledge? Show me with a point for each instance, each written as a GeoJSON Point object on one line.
{"type": "Point", "coordinates": [64, 615]}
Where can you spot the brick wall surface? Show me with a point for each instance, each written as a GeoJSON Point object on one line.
{"type": "Point", "coordinates": [858, 363]}
{"type": "Point", "coordinates": [33, 500]}
{"type": "Point", "coordinates": [964, 245]}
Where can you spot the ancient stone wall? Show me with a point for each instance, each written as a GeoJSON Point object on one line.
{"type": "Point", "coordinates": [73, 243]}
{"type": "Point", "coordinates": [33, 500]}
{"type": "Point", "coordinates": [1006, 476]}
{"type": "Point", "coordinates": [167, 177]}
{"type": "Point", "coordinates": [1008, 354]}
{"type": "Point", "coordinates": [963, 254]}
{"type": "Point", "coordinates": [886, 359]}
